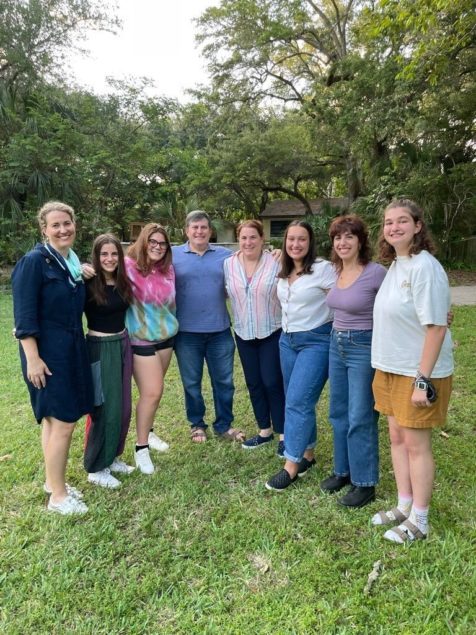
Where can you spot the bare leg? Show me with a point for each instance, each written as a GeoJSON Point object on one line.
{"type": "Point", "coordinates": [149, 373]}
{"type": "Point", "coordinates": [400, 460]}
{"type": "Point", "coordinates": [291, 468]}
{"type": "Point", "coordinates": [45, 435]}
{"type": "Point", "coordinates": [57, 442]}
{"type": "Point", "coordinates": [421, 464]}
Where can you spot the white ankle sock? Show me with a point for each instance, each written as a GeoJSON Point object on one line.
{"type": "Point", "coordinates": [404, 503]}
{"type": "Point", "coordinates": [419, 517]}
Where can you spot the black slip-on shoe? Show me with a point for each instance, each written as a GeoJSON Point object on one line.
{"type": "Point", "coordinates": [334, 483]}
{"type": "Point", "coordinates": [280, 481]}
{"type": "Point", "coordinates": [304, 466]}
{"type": "Point", "coordinates": [358, 496]}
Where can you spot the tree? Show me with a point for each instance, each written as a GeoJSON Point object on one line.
{"type": "Point", "coordinates": [35, 35]}
{"type": "Point", "coordinates": [291, 51]}
{"type": "Point", "coordinates": [387, 85]}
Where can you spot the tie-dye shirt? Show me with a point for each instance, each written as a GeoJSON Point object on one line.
{"type": "Point", "coordinates": [151, 316]}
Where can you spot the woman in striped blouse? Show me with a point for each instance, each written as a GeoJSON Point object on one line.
{"type": "Point", "coordinates": [251, 281]}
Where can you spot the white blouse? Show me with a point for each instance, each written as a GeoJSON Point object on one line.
{"type": "Point", "coordinates": [303, 302]}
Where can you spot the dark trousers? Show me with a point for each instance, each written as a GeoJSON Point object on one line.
{"type": "Point", "coordinates": [262, 370]}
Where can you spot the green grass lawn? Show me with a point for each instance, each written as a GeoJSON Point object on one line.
{"type": "Point", "coordinates": [202, 547]}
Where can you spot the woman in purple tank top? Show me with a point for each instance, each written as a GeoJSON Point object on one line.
{"type": "Point", "coordinates": [352, 413]}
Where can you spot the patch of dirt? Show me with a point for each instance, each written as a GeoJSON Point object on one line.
{"type": "Point", "coordinates": [462, 278]}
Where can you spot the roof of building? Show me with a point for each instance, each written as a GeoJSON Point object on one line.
{"type": "Point", "coordinates": [293, 207]}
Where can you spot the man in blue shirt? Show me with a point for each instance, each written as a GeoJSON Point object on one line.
{"type": "Point", "coordinates": [204, 328]}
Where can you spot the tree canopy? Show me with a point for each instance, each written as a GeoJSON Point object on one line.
{"type": "Point", "coordinates": [366, 99]}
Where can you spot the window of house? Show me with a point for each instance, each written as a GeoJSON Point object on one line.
{"type": "Point", "coordinates": [278, 227]}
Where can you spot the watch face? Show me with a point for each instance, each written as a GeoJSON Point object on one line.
{"type": "Point", "coordinates": [421, 385]}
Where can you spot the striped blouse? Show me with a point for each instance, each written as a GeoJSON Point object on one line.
{"type": "Point", "coordinates": [254, 303]}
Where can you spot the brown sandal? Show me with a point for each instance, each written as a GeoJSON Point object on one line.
{"type": "Point", "coordinates": [387, 519]}
{"type": "Point", "coordinates": [234, 435]}
{"type": "Point", "coordinates": [407, 532]}
{"type": "Point", "coordinates": [198, 435]}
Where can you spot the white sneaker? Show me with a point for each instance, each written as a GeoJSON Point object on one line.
{"type": "Point", "coordinates": [120, 467]}
{"type": "Point", "coordinates": [104, 478]}
{"type": "Point", "coordinates": [143, 462]}
{"type": "Point", "coordinates": [69, 505]}
{"type": "Point", "coordinates": [70, 490]}
{"type": "Point", "coordinates": [157, 444]}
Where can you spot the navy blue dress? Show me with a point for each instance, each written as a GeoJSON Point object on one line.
{"type": "Point", "coordinates": [48, 307]}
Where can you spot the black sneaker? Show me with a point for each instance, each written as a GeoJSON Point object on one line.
{"type": "Point", "coordinates": [280, 481]}
{"type": "Point", "coordinates": [304, 466]}
{"type": "Point", "coordinates": [358, 496]}
{"type": "Point", "coordinates": [334, 483]}
{"type": "Point", "coordinates": [256, 442]}
{"type": "Point", "coordinates": [280, 450]}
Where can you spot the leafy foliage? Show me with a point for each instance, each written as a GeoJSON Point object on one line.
{"type": "Point", "coordinates": [366, 99]}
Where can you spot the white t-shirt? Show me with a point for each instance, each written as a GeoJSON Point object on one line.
{"type": "Point", "coordinates": [414, 293]}
{"type": "Point", "coordinates": [303, 303]}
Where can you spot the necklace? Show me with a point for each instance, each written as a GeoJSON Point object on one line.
{"type": "Point", "coordinates": [249, 271]}
{"type": "Point", "coordinates": [348, 276]}
{"type": "Point", "coordinates": [294, 275]}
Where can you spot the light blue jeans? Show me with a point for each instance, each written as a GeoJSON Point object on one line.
{"type": "Point", "coordinates": [305, 364]}
{"type": "Point", "coordinates": [217, 349]}
{"type": "Point", "coordinates": [352, 413]}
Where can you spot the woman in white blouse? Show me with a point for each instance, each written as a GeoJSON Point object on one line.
{"type": "Point", "coordinates": [251, 281]}
{"type": "Point", "coordinates": [304, 347]}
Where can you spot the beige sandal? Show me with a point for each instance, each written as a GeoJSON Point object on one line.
{"type": "Point", "coordinates": [407, 532]}
{"type": "Point", "coordinates": [397, 517]}
{"type": "Point", "coordinates": [198, 435]}
{"type": "Point", "coordinates": [232, 434]}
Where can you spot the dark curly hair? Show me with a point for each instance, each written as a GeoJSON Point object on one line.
{"type": "Point", "coordinates": [353, 225]}
{"type": "Point", "coordinates": [287, 263]}
{"type": "Point", "coordinates": [421, 240]}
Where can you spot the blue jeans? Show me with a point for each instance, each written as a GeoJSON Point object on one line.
{"type": "Point", "coordinates": [352, 413]}
{"type": "Point", "coordinates": [217, 349]}
{"type": "Point", "coordinates": [262, 370]}
{"type": "Point", "coordinates": [305, 364]}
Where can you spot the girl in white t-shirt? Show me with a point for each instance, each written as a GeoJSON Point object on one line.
{"type": "Point", "coordinates": [412, 355]}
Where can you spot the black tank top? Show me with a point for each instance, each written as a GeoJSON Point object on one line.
{"type": "Point", "coordinates": [106, 318]}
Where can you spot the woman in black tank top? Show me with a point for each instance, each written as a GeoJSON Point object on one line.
{"type": "Point", "coordinates": [108, 297]}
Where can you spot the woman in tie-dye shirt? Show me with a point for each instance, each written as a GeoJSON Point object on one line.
{"type": "Point", "coordinates": [152, 325]}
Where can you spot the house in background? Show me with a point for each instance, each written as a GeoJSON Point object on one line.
{"type": "Point", "coordinates": [277, 215]}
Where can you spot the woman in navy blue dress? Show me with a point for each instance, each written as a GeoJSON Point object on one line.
{"type": "Point", "coordinates": [48, 302]}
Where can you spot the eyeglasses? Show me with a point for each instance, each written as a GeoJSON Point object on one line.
{"type": "Point", "coordinates": [155, 243]}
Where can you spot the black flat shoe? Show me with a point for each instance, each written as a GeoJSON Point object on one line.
{"type": "Point", "coordinates": [304, 466]}
{"type": "Point", "coordinates": [358, 496]}
{"type": "Point", "coordinates": [280, 481]}
{"type": "Point", "coordinates": [334, 483]}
